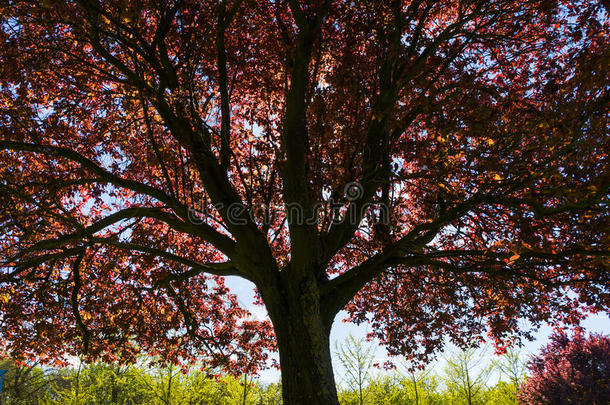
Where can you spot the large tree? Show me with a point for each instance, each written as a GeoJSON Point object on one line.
{"type": "Point", "coordinates": [439, 168]}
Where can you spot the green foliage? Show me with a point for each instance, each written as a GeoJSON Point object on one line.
{"type": "Point", "coordinates": [396, 389]}
{"type": "Point", "coordinates": [357, 359]}
{"type": "Point", "coordinates": [511, 366]}
{"type": "Point", "coordinates": [270, 394]}
{"type": "Point", "coordinates": [466, 376]}
{"type": "Point", "coordinates": [503, 393]}
{"type": "Point", "coordinates": [106, 384]}
{"type": "Point", "coordinates": [23, 384]}
{"type": "Point", "coordinates": [464, 381]}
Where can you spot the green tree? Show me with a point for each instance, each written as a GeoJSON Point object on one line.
{"type": "Point", "coordinates": [270, 394]}
{"type": "Point", "coordinates": [201, 389]}
{"type": "Point", "coordinates": [99, 384]}
{"type": "Point", "coordinates": [422, 387]}
{"type": "Point", "coordinates": [23, 383]}
{"type": "Point", "coordinates": [466, 376]}
{"type": "Point", "coordinates": [356, 357]}
{"type": "Point", "coordinates": [386, 390]}
{"type": "Point", "coordinates": [503, 393]}
{"type": "Point", "coordinates": [512, 367]}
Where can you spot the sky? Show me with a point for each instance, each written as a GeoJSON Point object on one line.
{"type": "Point", "coordinates": [244, 290]}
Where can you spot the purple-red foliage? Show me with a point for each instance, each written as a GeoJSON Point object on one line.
{"type": "Point", "coordinates": [569, 370]}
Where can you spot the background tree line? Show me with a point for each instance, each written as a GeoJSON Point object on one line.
{"type": "Point", "coordinates": [111, 384]}
{"type": "Point", "coordinates": [568, 370]}
{"type": "Point", "coordinates": [101, 383]}
{"type": "Point", "coordinates": [466, 378]}
{"type": "Point", "coordinates": [137, 384]}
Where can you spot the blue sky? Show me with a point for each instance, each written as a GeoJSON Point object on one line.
{"type": "Point", "coordinates": [599, 323]}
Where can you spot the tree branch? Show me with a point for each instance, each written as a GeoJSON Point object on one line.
{"type": "Point", "coordinates": [216, 269]}
{"type": "Point", "coordinates": [222, 242]}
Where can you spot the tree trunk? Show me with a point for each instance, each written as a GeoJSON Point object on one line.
{"type": "Point", "coordinates": [303, 338]}
{"type": "Point", "coordinates": [415, 388]}
{"type": "Point", "coordinates": [307, 374]}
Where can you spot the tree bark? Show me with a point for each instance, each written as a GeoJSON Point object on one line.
{"type": "Point", "coordinates": [307, 373]}
{"type": "Point", "coordinates": [302, 329]}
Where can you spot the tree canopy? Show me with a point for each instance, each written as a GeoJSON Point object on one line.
{"type": "Point", "coordinates": [439, 168]}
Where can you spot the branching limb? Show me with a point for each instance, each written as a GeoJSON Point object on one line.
{"type": "Point", "coordinates": [222, 242]}
{"type": "Point", "coordinates": [410, 251]}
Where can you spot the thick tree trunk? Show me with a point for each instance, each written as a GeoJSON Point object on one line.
{"type": "Point", "coordinates": [307, 373]}
{"type": "Point", "coordinates": [303, 339]}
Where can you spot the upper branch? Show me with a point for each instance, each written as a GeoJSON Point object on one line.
{"type": "Point", "coordinates": [225, 17]}
{"type": "Point", "coordinates": [295, 141]}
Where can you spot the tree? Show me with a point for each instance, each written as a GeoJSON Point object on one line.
{"type": "Point", "coordinates": [356, 357]}
{"type": "Point", "coordinates": [513, 367]}
{"type": "Point", "coordinates": [569, 370]}
{"type": "Point", "coordinates": [145, 384]}
{"type": "Point", "coordinates": [419, 383]}
{"type": "Point", "coordinates": [466, 376]}
{"type": "Point", "coordinates": [437, 167]}
{"type": "Point", "coordinates": [97, 384]}
{"type": "Point", "coordinates": [422, 385]}
{"type": "Point", "coordinates": [503, 393]}
{"type": "Point", "coordinates": [270, 394]}
{"type": "Point", "coordinates": [23, 383]}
